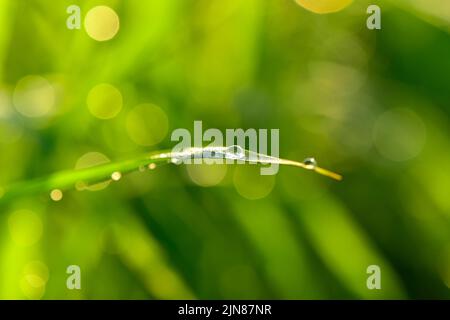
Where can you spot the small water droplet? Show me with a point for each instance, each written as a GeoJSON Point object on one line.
{"type": "Point", "coordinates": [235, 152]}
{"type": "Point", "coordinates": [56, 195]}
{"type": "Point", "coordinates": [152, 166]}
{"type": "Point", "coordinates": [310, 163]}
{"type": "Point", "coordinates": [176, 160]}
{"type": "Point", "coordinates": [142, 168]}
{"type": "Point", "coordinates": [80, 185]}
{"type": "Point", "coordinates": [116, 176]}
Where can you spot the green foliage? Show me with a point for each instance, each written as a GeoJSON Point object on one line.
{"type": "Point", "coordinates": [371, 104]}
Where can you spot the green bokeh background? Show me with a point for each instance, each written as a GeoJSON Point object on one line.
{"type": "Point", "coordinates": [371, 104]}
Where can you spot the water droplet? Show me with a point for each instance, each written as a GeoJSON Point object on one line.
{"type": "Point", "coordinates": [116, 176]}
{"type": "Point", "coordinates": [310, 163]}
{"type": "Point", "coordinates": [152, 166]}
{"type": "Point", "coordinates": [176, 161]}
{"type": "Point", "coordinates": [142, 168]}
{"type": "Point", "coordinates": [80, 185]}
{"type": "Point", "coordinates": [235, 152]}
{"type": "Point", "coordinates": [56, 195]}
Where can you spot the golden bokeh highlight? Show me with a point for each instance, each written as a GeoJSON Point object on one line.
{"type": "Point", "coordinates": [324, 6]}
{"type": "Point", "coordinates": [102, 23]}
{"type": "Point", "coordinates": [56, 195]}
{"type": "Point", "coordinates": [116, 176]}
{"type": "Point", "coordinates": [250, 184]}
{"type": "Point", "coordinates": [34, 96]}
{"type": "Point", "coordinates": [104, 101]}
{"type": "Point", "coordinates": [88, 160]}
{"type": "Point", "coordinates": [147, 124]}
{"type": "Point", "coordinates": [25, 227]}
{"type": "Point", "coordinates": [34, 280]}
{"type": "Point", "coordinates": [399, 134]}
{"type": "Point", "coordinates": [36, 272]}
{"type": "Point", "coordinates": [206, 175]}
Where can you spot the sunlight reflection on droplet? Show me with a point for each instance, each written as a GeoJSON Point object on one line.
{"type": "Point", "coordinates": [91, 159]}
{"type": "Point", "coordinates": [324, 6]}
{"type": "Point", "coordinates": [34, 96]}
{"type": "Point", "coordinates": [104, 101]}
{"type": "Point", "coordinates": [25, 227]}
{"type": "Point", "coordinates": [399, 134]}
{"type": "Point", "coordinates": [116, 176]}
{"type": "Point", "coordinates": [310, 163]}
{"type": "Point", "coordinates": [102, 23]}
{"type": "Point", "coordinates": [147, 124]}
{"type": "Point", "coordinates": [56, 195]}
{"type": "Point", "coordinates": [250, 184]}
{"type": "Point", "coordinates": [152, 166]}
{"type": "Point", "coordinates": [206, 175]}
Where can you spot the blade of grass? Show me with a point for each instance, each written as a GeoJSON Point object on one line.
{"type": "Point", "coordinates": [68, 179]}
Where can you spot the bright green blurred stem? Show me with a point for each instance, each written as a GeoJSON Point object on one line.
{"type": "Point", "coordinates": [68, 179]}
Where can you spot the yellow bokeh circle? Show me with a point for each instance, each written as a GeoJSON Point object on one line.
{"type": "Point", "coordinates": [399, 134]}
{"type": "Point", "coordinates": [102, 23]}
{"type": "Point", "coordinates": [104, 101]}
{"type": "Point", "coordinates": [34, 280]}
{"type": "Point", "coordinates": [56, 195]}
{"type": "Point", "coordinates": [250, 184]}
{"type": "Point", "coordinates": [147, 124]}
{"type": "Point", "coordinates": [34, 97]}
{"type": "Point", "coordinates": [206, 175]}
{"type": "Point", "coordinates": [324, 6]}
{"type": "Point", "coordinates": [25, 227]}
{"type": "Point", "coordinates": [88, 160]}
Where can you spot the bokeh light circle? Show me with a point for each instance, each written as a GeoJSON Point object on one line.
{"type": "Point", "coordinates": [56, 195]}
{"type": "Point", "coordinates": [250, 184]}
{"type": "Point", "coordinates": [206, 175]}
{"type": "Point", "coordinates": [25, 227]}
{"type": "Point", "coordinates": [147, 124]}
{"type": "Point", "coordinates": [34, 96]}
{"type": "Point", "coordinates": [36, 272]}
{"type": "Point", "coordinates": [104, 101]}
{"type": "Point", "coordinates": [324, 6]}
{"type": "Point", "coordinates": [34, 280]}
{"type": "Point", "coordinates": [88, 160]}
{"type": "Point", "coordinates": [399, 134]}
{"type": "Point", "coordinates": [102, 23]}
